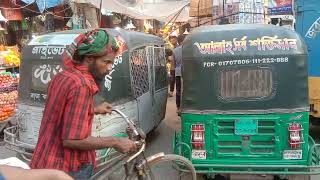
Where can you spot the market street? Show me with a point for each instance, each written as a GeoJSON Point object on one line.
{"type": "Point", "coordinates": [161, 138]}
{"type": "Point", "coordinates": [244, 74]}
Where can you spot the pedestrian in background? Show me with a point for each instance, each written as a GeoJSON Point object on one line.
{"type": "Point", "coordinates": [174, 43]}
{"type": "Point", "coordinates": [177, 57]}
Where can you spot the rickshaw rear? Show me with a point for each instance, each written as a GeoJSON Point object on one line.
{"type": "Point", "coordinates": [245, 102]}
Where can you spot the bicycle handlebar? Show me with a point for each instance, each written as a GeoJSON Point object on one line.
{"type": "Point", "coordinates": [137, 133]}
{"type": "Point", "coordinates": [129, 122]}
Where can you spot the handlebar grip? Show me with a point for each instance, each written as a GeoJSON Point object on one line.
{"type": "Point", "coordinates": [138, 143]}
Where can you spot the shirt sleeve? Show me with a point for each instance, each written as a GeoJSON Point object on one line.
{"type": "Point", "coordinates": [76, 119]}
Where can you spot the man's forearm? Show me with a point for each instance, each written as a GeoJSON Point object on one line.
{"type": "Point", "coordinates": [90, 143]}
{"type": "Point", "coordinates": [10, 172]}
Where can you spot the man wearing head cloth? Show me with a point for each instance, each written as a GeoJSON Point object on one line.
{"type": "Point", "coordinates": [65, 140]}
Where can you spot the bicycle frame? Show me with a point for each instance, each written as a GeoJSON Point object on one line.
{"type": "Point", "coordinates": [138, 167]}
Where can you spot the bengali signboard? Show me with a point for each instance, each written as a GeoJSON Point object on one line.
{"type": "Point", "coordinates": [280, 7]}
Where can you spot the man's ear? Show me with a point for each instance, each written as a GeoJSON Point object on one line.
{"type": "Point", "coordinates": [88, 59]}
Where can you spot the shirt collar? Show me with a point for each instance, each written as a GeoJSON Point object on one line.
{"type": "Point", "coordinates": [85, 71]}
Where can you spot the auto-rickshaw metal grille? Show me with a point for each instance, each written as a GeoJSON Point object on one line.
{"type": "Point", "coordinates": [230, 144]}
{"type": "Point", "coordinates": [160, 68]}
{"type": "Point", "coordinates": [139, 72]}
{"type": "Point", "coordinates": [246, 83]}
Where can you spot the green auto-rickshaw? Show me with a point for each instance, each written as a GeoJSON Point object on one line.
{"type": "Point", "coordinates": [245, 103]}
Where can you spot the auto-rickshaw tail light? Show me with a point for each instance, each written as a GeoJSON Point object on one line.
{"type": "Point", "coordinates": [295, 135]}
{"type": "Point", "coordinates": [197, 136]}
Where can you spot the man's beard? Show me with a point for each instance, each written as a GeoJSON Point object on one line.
{"type": "Point", "coordinates": [98, 77]}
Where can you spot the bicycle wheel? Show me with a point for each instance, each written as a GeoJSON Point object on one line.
{"type": "Point", "coordinates": [168, 166]}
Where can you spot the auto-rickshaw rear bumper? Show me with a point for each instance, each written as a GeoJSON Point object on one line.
{"type": "Point", "coordinates": [257, 169]}
{"type": "Point", "coordinates": [312, 166]}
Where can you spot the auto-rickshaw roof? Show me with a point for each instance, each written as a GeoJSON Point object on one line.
{"type": "Point", "coordinates": [242, 68]}
{"type": "Point", "coordinates": [133, 39]}
{"type": "Point", "coordinates": [42, 59]}
{"type": "Point", "coordinates": [249, 38]}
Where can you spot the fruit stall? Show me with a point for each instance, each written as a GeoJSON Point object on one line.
{"type": "Point", "coordinates": [9, 57]}
{"type": "Point", "coordinates": [9, 79]}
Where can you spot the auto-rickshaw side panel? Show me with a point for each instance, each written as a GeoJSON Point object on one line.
{"type": "Point", "coordinates": [147, 61]}
{"type": "Point", "coordinates": [160, 84]}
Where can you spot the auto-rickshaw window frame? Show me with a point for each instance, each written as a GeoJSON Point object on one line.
{"type": "Point", "coordinates": [159, 63]}
{"type": "Point", "coordinates": [151, 47]}
{"type": "Point", "coordinates": [136, 91]}
{"type": "Point", "coordinates": [237, 99]}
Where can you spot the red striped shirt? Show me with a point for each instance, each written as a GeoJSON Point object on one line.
{"type": "Point", "coordinates": [68, 114]}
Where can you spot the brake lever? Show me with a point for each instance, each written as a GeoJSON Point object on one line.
{"type": "Point", "coordinates": [141, 133]}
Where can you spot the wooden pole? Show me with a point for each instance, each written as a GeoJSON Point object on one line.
{"type": "Point", "coordinates": [100, 13]}
{"type": "Point", "coordinates": [199, 13]}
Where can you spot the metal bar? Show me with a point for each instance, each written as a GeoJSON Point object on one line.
{"type": "Point", "coordinates": [187, 146]}
{"type": "Point", "coordinates": [259, 172]}
{"type": "Point", "coordinates": [104, 155]}
{"type": "Point", "coordinates": [273, 166]}
{"type": "Point", "coordinates": [137, 153]}
{"type": "Point", "coordinates": [11, 138]}
{"type": "Point", "coordinates": [174, 18]}
{"type": "Point", "coordinates": [311, 150]}
{"type": "Point", "coordinates": [228, 146]}
{"type": "Point", "coordinates": [275, 172]}
{"type": "Point", "coordinates": [223, 2]}
{"type": "Point", "coordinates": [253, 112]}
{"type": "Point", "coordinates": [263, 146]}
{"type": "Point", "coordinates": [128, 120]}
{"type": "Point", "coordinates": [121, 156]}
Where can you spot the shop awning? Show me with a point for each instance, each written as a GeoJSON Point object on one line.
{"type": "Point", "coordinates": [161, 11]}
{"type": "Point", "coordinates": [10, 11]}
{"type": "Point", "coordinates": [180, 16]}
{"type": "Point", "coordinates": [2, 18]}
{"type": "Point", "coordinates": [44, 4]}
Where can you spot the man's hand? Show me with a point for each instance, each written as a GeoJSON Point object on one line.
{"type": "Point", "coordinates": [103, 108]}
{"type": "Point", "coordinates": [125, 145]}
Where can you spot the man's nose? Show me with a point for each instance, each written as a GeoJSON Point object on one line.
{"type": "Point", "coordinates": [109, 67]}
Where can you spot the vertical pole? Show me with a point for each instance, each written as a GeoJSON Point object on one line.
{"type": "Point", "coordinates": [254, 11]}
{"type": "Point", "coordinates": [223, 9]}
{"type": "Point", "coordinates": [199, 13]}
{"type": "Point", "coordinates": [265, 10]}
{"type": "Point", "coordinates": [100, 14]}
